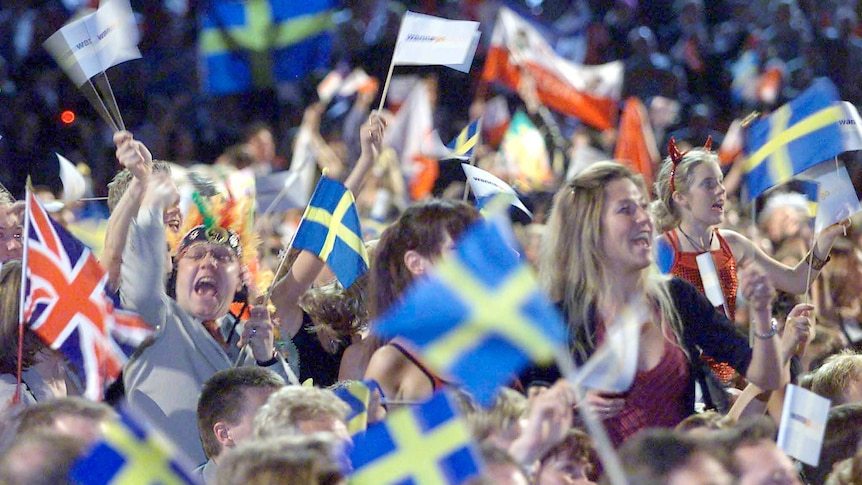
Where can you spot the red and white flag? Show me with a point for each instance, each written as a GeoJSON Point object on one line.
{"type": "Point", "coordinates": [589, 93]}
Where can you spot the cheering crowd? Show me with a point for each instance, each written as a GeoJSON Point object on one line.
{"type": "Point", "coordinates": [258, 348]}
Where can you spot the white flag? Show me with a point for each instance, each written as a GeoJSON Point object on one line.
{"type": "Point", "coordinates": [95, 42]}
{"type": "Point", "coordinates": [613, 366]}
{"type": "Point", "coordinates": [803, 423]}
{"type": "Point", "coordinates": [428, 40]}
{"type": "Point", "coordinates": [851, 127]}
{"type": "Point", "coordinates": [74, 185]}
{"type": "Point", "coordinates": [709, 277]}
{"type": "Point", "coordinates": [837, 199]}
{"type": "Point", "coordinates": [486, 185]}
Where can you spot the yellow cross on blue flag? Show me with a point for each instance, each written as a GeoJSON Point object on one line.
{"type": "Point", "coordinates": [330, 229]}
{"type": "Point", "coordinates": [252, 44]}
{"type": "Point", "coordinates": [480, 308]}
{"type": "Point", "coordinates": [798, 135]}
{"type": "Point", "coordinates": [463, 144]}
{"type": "Point", "coordinates": [357, 395]}
{"type": "Point", "coordinates": [132, 452]}
{"type": "Point", "coordinates": [425, 445]}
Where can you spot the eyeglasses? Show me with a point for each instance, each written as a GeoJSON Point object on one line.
{"type": "Point", "coordinates": [221, 254]}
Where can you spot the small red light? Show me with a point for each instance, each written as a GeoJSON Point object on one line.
{"type": "Point", "coordinates": [67, 117]}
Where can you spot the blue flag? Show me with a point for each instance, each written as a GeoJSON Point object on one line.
{"type": "Point", "coordinates": [357, 395]}
{"type": "Point", "coordinates": [480, 309]}
{"type": "Point", "coordinates": [796, 136]}
{"type": "Point", "coordinates": [428, 444]}
{"type": "Point", "coordinates": [464, 144]}
{"type": "Point", "coordinates": [330, 229]}
{"type": "Point", "coordinates": [132, 452]}
{"type": "Point", "coordinates": [249, 44]}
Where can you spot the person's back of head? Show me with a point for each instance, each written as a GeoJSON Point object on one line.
{"type": "Point", "coordinates": [664, 456]}
{"type": "Point", "coordinates": [229, 396]}
{"type": "Point", "coordinates": [40, 458]}
{"type": "Point", "coordinates": [840, 440]}
{"type": "Point", "coordinates": [422, 229]}
{"type": "Point", "coordinates": [297, 410]}
{"type": "Point", "coordinates": [69, 416]}
{"type": "Point", "coordinates": [291, 460]}
{"type": "Point", "coordinates": [10, 295]}
{"type": "Point", "coordinates": [839, 379]}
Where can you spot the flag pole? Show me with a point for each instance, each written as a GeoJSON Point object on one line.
{"type": "Point", "coordinates": [386, 83]}
{"type": "Point", "coordinates": [612, 466]}
{"type": "Point", "coordinates": [16, 398]}
{"type": "Point", "coordinates": [470, 160]}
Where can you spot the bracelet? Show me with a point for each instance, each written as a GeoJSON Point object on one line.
{"type": "Point", "coordinates": [816, 263]}
{"type": "Point", "coordinates": [768, 335]}
{"type": "Point", "coordinates": [272, 361]}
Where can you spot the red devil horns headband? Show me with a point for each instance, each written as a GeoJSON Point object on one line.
{"type": "Point", "coordinates": [676, 157]}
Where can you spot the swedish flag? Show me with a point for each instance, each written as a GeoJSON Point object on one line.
{"type": "Point", "coordinates": [247, 44]}
{"type": "Point", "coordinates": [427, 445]}
{"type": "Point", "coordinates": [479, 309]}
{"type": "Point", "coordinates": [357, 395]}
{"type": "Point", "coordinates": [796, 136]}
{"type": "Point", "coordinates": [810, 189]}
{"type": "Point", "coordinates": [130, 452]}
{"type": "Point", "coordinates": [330, 229]}
{"type": "Point", "coordinates": [463, 144]}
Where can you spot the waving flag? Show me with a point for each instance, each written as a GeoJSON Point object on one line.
{"type": "Point", "coordinates": [636, 146]}
{"type": "Point", "coordinates": [428, 40]}
{"type": "Point", "coordinates": [357, 395]}
{"type": "Point", "coordinates": [427, 445]}
{"type": "Point", "coordinates": [479, 309]}
{"type": "Point", "coordinates": [832, 197]}
{"type": "Point", "coordinates": [256, 43]}
{"type": "Point", "coordinates": [796, 136]}
{"type": "Point", "coordinates": [589, 93]}
{"type": "Point", "coordinates": [330, 229]}
{"type": "Point", "coordinates": [67, 305]}
{"type": "Point", "coordinates": [464, 144]}
{"type": "Point", "coordinates": [486, 185]}
{"type": "Point", "coordinates": [525, 153]}
{"type": "Point", "coordinates": [132, 452]}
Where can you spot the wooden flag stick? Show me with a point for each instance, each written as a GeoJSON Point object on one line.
{"type": "Point", "coordinates": [386, 83]}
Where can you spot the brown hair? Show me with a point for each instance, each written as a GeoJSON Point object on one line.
{"type": "Point", "coordinates": [421, 228]}
{"type": "Point", "coordinates": [10, 295]}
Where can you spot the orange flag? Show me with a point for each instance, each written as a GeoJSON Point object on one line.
{"type": "Point", "coordinates": [636, 146]}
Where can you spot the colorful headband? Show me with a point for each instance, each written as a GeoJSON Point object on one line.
{"type": "Point", "coordinates": [212, 235]}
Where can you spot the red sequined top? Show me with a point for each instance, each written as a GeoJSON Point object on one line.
{"type": "Point", "coordinates": [685, 266]}
{"type": "Point", "coordinates": [656, 397]}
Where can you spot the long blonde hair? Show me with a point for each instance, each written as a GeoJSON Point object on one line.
{"type": "Point", "coordinates": [571, 266]}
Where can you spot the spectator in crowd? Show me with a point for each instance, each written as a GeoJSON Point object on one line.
{"type": "Point", "coordinates": [406, 251]}
{"type": "Point", "coordinates": [40, 458]}
{"type": "Point", "coordinates": [572, 461]}
{"type": "Point", "coordinates": [597, 263]}
{"type": "Point", "coordinates": [74, 417]}
{"type": "Point", "coordinates": [839, 379]}
{"type": "Point", "coordinates": [319, 349]}
{"type": "Point", "coordinates": [667, 457]}
{"type": "Point", "coordinates": [299, 410]}
{"type": "Point", "coordinates": [45, 371]}
{"type": "Point", "coordinates": [284, 460]}
{"type": "Point", "coordinates": [840, 441]}
{"type": "Point", "coordinates": [226, 408]}
{"type": "Point", "coordinates": [756, 457]}
{"type": "Point", "coordinates": [193, 338]}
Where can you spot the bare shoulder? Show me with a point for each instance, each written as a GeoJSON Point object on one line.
{"type": "Point", "coordinates": [386, 360]}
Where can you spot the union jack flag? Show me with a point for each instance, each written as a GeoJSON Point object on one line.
{"type": "Point", "coordinates": [66, 303]}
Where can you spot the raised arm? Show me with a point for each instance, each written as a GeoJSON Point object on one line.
{"type": "Point", "coordinates": [133, 155]}
{"type": "Point", "coordinates": [146, 259]}
{"type": "Point", "coordinates": [795, 279]}
{"type": "Point", "coordinates": [288, 290]}
{"type": "Point", "coordinates": [765, 369]}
